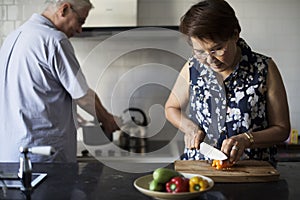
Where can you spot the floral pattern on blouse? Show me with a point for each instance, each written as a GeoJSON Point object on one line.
{"type": "Point", "coordinates": [241, 97]}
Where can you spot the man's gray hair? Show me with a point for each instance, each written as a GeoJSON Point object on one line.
{"type": "Point", "coordinates": [77, 4]}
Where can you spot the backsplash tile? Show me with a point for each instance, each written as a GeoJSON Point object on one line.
{"type": "Point", "coordinates": [7, 27]}
{"type": "Point", "coordinates": [14, 13]}
{"type": "Point", "coordinates": [3, 13]}
{"type": "Point", "coordinates": [8, 2]}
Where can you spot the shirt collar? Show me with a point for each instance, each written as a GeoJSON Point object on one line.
{"type": "Point", "coordinates": [38, 18]}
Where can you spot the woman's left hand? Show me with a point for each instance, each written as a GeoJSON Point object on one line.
{"type": "Point", "coordinates": [234, 147]}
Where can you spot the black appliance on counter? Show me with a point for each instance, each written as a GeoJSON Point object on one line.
{"type": "Point", "coordinates": [133, 133]}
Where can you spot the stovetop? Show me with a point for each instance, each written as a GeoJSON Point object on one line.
{"type": "Point", "coordinates": [153, 152]}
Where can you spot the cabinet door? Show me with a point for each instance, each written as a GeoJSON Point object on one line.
{"type": "Point", "coordinates": [112, 13]}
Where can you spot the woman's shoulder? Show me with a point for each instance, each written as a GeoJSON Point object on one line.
{"type": "Point", "coordinates": [247, 50]}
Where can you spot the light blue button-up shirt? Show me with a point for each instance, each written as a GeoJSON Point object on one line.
{"type": "Point", "coordinates": [39, 76]}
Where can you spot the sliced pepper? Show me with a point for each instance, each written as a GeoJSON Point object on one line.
{"type": "Point", "coordinates": [219, 164]}
{"type": "Point", "coordinates": [197, 183]}
{"type": "Point", "coordinates": [177, 184]}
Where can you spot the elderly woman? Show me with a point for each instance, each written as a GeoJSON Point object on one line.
{"type": "Point", "coordinates": [236, 97]}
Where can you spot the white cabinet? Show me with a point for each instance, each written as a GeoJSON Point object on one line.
{"type": "Point", "coordinates": [112, 13]}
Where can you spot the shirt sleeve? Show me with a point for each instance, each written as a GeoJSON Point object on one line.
{"type": "Point", "coordinates": [68, 71]}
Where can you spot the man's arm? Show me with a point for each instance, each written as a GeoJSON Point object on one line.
{"type": "Point", "coordinates": [92, 104]}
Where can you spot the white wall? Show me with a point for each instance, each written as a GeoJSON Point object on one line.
{"type": "Point", "coordinates": [272, 27]}
{"type": "Point", "coordinates": [269, 26]}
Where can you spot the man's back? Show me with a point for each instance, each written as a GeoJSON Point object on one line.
{"type": "Point", "coordinates": [38, 68]}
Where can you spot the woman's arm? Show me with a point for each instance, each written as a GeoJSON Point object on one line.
{"type": "Point", "coordinates": [175, 108]}
{"type": "Point", "coordinates": [278, 119]}
{"type": "Point", "coordinates": [277, 111]}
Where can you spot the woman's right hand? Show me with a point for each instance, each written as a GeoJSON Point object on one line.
{"type": "Point", "coordinates": [193, 138]}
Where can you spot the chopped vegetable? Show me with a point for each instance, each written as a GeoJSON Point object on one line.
{"type": "Point", "coordinates": [197, 183]}
{"type": "Point", "coordinates": [177, 184]}
{"type": "Point", "coordinates": [219, 164]}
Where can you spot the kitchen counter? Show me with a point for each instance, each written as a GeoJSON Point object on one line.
{"type": "Point", "coordinates": [93, 180]}
{"type": "Point", "coordinates": [288, 152]}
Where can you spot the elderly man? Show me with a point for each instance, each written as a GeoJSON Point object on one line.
{"type": "Point", "coordinates": [41, 84]}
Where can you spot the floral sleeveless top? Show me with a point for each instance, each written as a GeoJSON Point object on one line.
{"type": "Point", "coordinates": [230, 107]}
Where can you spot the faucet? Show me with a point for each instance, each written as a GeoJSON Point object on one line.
{"type": "Point", "coordinates": [25, 170]}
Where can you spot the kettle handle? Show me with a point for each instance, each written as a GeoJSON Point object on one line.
{"type": "Point", "coordinates": [145, 122]}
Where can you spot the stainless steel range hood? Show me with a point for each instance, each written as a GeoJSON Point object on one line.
{"type": "Point", "coordinates": [112, 13]}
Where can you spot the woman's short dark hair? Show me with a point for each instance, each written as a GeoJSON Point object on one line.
{"type": "Point", "coordinates": [210, 19]}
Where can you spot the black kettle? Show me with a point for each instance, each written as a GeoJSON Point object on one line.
{"type": "Point", "coordinates": [133, 132]}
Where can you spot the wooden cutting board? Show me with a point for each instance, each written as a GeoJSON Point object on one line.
{"type": "Point", "coordinates": [242, 171]}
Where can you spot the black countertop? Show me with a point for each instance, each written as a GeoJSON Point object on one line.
{"type": "Point", "coordinates": [93, 181]}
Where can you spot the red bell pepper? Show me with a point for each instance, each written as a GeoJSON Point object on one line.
{"type": "Point", "coordinates": [177, 184]}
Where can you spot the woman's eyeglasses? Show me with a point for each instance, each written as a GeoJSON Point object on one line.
{"type": "Point", "coordinates": [202, 55]}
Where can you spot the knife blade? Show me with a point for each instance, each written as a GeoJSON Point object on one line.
{"type": "Point", "coordinates": [211, 152]}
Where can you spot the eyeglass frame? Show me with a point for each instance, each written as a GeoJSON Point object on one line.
{"type": "Point", "coordinates": [202, 55]}
{"type": "Point", "coordinates": [80, 19]}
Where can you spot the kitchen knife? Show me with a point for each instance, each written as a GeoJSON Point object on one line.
{"type": "Point", "coordinates": [211, 152]}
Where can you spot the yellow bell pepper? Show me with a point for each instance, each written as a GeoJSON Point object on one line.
{"type": "Point", "coordinates": [219, 164]}
{"type": "Point", "coordinates": [197, 184]}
